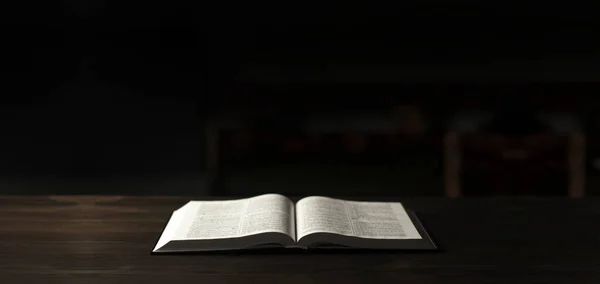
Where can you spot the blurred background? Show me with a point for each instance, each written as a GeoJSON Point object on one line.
{"type": "Point", "coordinates": [104, 97]}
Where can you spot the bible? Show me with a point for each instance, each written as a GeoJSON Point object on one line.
{"type": "Point", "coordinates": [273, 220]}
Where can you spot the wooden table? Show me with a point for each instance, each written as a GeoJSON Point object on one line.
{"type": "Point", "coordinates": [108, 239]}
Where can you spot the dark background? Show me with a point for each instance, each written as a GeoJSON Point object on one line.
{"type": "Point", "coordinates": [106, 97]}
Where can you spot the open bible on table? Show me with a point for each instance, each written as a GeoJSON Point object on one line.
{"type": "Point", "coordinates": [273, 220]}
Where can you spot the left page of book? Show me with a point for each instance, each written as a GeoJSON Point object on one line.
{"type": "Point", "coordinates": [231, 219]}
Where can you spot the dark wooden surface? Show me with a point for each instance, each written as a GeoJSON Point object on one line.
{"type": "Point", "coordinates": [77, 239]}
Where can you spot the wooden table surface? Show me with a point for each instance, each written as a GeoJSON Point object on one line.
{"type": "Point", "coordinates": [77, 239]}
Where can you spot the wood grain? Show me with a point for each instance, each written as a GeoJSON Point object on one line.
{"type": "Point", "coordinates": [77, 239]}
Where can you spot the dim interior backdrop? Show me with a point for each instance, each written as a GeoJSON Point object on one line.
{"type": "Point", "coordinates": [106, 98]}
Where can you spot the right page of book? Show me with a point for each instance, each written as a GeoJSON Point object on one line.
{"type": "Point", "coordinates": [372, 220]}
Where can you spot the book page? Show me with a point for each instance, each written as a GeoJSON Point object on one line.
{"type": "Point", "coordinates": [237, 218]}
{"type": "Point", "coordinates": [171, 228]}
{"type": "Point", "coordinates": [372, 220]}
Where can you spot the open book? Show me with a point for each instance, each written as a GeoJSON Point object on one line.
{"type": "Point", "coordinates": [273, 220]}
